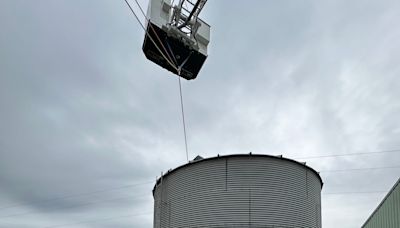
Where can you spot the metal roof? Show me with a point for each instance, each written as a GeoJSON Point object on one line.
{"type": "Point", "coordinates": [382, 202]}
{"type": "Point", "coordinates": [197, 160]}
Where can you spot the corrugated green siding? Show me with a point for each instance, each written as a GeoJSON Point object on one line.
{"type": "Point", "coordinates": [387, 215]}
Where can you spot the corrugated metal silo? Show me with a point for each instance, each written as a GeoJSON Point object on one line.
{"type": "Point", "coordinates": [239, 191]}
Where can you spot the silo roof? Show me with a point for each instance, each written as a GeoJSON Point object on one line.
{"type": "Point", "coordinates": [199, 159]}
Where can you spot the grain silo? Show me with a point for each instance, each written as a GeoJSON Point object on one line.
{"type": "Point", "coordinates": [239, 191]}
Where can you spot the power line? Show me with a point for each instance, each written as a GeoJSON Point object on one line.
{"type": "Point", "coordinates": [148, 213]}
{"type": "Point", "coordinates": [72, 206]}
{"type": "Point", "coordinates": [148, 182]}
{"type": "Point", "coordinates": [138, 196]}
{"type": "Point", "coordinates": [353, 193]}
{"type": "Point", "coordinates": [79, 194]}
{"type": "Point", "coordinates": [350, 154]}
{"type": "Point", "coordinates": [98, 220]}
{"type": "Point", "coordinates": [359, 169]}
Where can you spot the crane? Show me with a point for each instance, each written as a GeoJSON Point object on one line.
{"type": "Point", "coordinates": [176, 38]}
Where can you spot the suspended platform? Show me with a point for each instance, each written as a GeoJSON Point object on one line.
{"type": "Point", "coordinates": [176, 39]}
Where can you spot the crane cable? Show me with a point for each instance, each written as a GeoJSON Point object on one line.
{"type": "Point", "coordinates": [178, 68]}
{"type": "Point", "coordinates": [148, 34]}
{"type": "Point", "coordinates": [175, 66]}
{"type": "Point", "coordinates": [170, 62]}
{"type": "Point", "coordinates": [183, 119]}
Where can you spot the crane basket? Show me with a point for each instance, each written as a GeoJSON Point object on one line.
{"type": "Point", "coordinates": [176, 38]}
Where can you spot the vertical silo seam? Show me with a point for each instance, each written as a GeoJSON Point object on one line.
{"type": "Point", "coordinates": [226, 174]}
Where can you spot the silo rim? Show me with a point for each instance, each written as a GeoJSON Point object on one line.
{"type": "Point", "coordinates": [238, 155]}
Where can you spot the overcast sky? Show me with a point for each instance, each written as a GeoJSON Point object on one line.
{"type": "Point", "coordinates": [87, 123]}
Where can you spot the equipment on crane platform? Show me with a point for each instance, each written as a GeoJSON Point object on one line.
{"type": "Point", "coordinates": [176, 38]}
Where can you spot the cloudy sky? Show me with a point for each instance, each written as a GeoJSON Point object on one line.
{"type": "Point", "coordinates": [87, 123]}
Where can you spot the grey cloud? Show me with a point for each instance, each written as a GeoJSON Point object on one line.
{"type": "Point", "coordinates": [83, 110]}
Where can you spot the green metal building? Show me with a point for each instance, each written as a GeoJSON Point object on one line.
{"type": "Point", "coordinates": [387, 214]}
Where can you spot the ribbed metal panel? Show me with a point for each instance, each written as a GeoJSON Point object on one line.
{"type": "Point", "coordinates": [239, 191]}
{"type": "Point", "coordinates": [387, 215]}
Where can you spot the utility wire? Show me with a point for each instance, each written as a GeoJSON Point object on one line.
{"type": "Point", "coordinates": [148, 213]}
{"type": "Point", "coordinates": [100, 201]}
{"type": "Point", "coordinates": [80, 194]}
{"type": "Point", "coordinates": [148, 182]}
{"type": "Point", "coordinates": [73, 206]}
{"type": "Point", "coordinates": [98, 220]}
{"type": "Point", "coordinates": [139, 196]}
{"type": "Point", "coordinates": [359, 169]}
{"type": "Point", "coordinates": [350, 154]}
{"type": "Point", "coordinates": [353, 193]}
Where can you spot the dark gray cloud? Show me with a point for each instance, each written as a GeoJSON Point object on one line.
{"type": "Point", "coordinates": [83, 111]}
